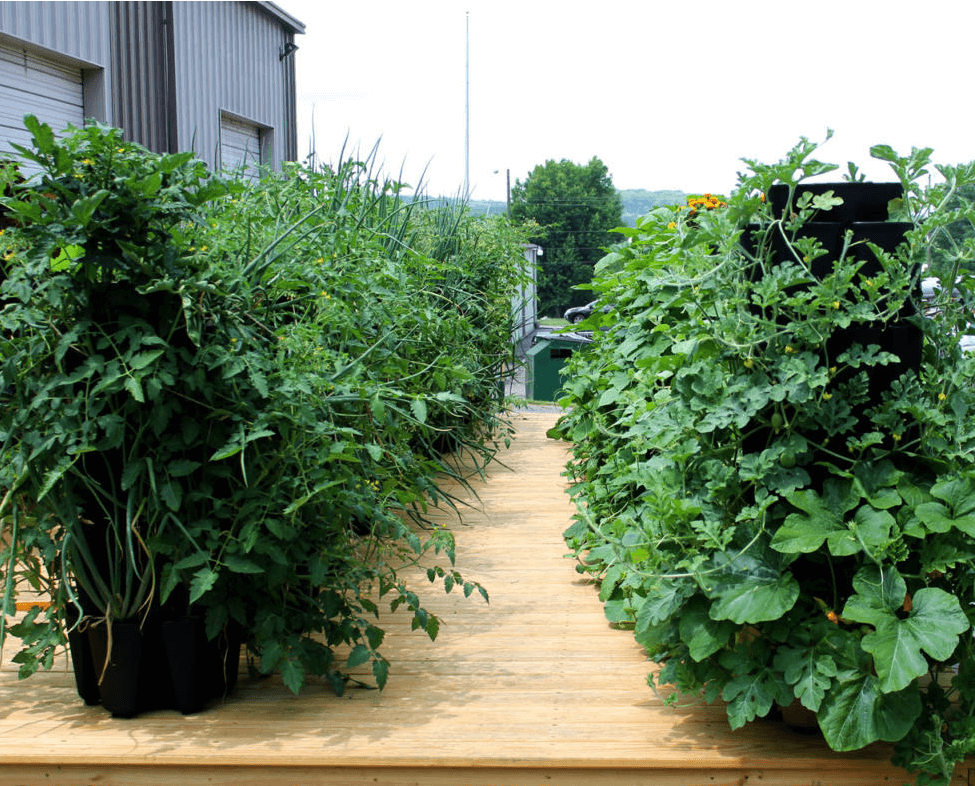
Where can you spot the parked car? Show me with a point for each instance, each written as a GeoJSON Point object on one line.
{"type": "Point", "coordinates": [576, 314]}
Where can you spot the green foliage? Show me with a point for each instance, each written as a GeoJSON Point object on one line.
{"type": "Point", "coordinates": [236, 401]}
{"type": "Point", "coordinates": [575, 208]}
{"type": "Point", "coordinates": [774, 497]}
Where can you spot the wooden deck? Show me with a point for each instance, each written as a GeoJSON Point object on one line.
{"type": "Point", "coordinates": [534, 688]}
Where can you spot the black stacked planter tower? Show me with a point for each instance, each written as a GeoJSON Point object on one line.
{"type": "Point", "coordinates": [864, 213]}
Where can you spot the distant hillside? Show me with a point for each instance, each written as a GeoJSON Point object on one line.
{"type": "Point", "coordinates": [638, 202]}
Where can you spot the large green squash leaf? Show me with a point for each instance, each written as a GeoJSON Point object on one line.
{"type": "Point", "coordinates": [750, 590]}
{"type": "Point", "coordinates": [877, 483]}
{"type": "Point", "coordinates": [703, 635]}
{"type": "Point", "coordinates": [878, 593]}
{"type": "Point", "coordinates": [868, 531]}
{"type": "Point", "coordinates": [934, 624]}
{"type": "Point", "coordinates": [857, 713]}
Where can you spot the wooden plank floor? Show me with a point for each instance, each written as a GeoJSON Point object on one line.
{"type": "Point", "coordinates": [534, 688]}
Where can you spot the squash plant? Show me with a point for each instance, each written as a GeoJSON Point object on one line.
{"type": "Point", "coordinates": [782, 513]}
{"type": "Point", "coordinates": [245, 391]}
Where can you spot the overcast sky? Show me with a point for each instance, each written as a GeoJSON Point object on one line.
{"type": "Point", "coordinates": [669, 95]}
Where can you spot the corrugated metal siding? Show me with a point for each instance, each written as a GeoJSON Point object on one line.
{"type": "Point", "coordinates": [227, 60]}
{"type": "Point", "coordinates": [80, 30]}
{"type": "Point", "coordinates": [141, 63]}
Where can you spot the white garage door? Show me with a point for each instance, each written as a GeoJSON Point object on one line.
{"type": "Point", "coordinates": [240, 147]}
{"type": "Point", "coordinates": [31, 83]}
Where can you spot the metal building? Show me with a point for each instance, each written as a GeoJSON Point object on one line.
{"type": "Point", "coordinates": [217, 78]}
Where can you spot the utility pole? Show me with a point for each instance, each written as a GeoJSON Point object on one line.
{"type": "Point", "coordinates": [467, 107]}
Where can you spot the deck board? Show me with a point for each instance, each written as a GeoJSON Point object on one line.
{"type": "Point", "coordinates": [533, 688]}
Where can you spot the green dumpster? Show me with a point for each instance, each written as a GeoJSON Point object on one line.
{"type": "Point", "coordinates": [545, 361]}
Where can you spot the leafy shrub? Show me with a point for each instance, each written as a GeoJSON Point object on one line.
{"type": "Point", "coordinates": [235, 401]}
{"type": "Point", "coordinates": [774, 495]}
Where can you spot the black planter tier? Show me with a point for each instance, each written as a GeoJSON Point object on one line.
{"type": "Point", "coordinates": [861, 201]}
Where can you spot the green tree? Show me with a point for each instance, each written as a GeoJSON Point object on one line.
{"type": "Point", "coordinates": [574, 206]}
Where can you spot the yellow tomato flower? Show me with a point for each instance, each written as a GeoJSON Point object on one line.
{"type": "Point", "coordinates": [941, 397]}
{"type": "Point", "coordinates": [672, 225]}
{"type": "Point", "coordinates": [827, 396]}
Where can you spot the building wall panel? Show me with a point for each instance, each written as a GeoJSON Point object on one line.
{"type": "Point", "coordinates": [166, 72]}
{"type": "Point", "coordinates": [227, 61]}
{"type": "Point", "coordinates": [141, 63]}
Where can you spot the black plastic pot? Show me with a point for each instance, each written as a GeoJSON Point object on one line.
{"type": "Point", "coordinates": [200, 670]}
{"type": "Point", "coordinates": [159, 665]}
{"type": "Point", "coordinates": [124, 667]}
{"type": "Point", "coordinates": [82, 663]}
